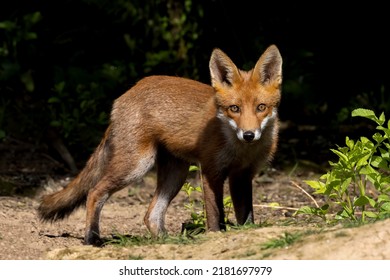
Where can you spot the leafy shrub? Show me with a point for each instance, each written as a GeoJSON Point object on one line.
{"type": "Point", "coordinates": [358, 184]}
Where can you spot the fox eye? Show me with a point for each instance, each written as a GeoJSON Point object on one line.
{"type": "Point", "coordinates": [234, 108]}
{"type": "Point", "coordinates": [261, 107]}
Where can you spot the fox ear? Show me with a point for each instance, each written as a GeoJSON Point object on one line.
{"type": "Point", "coordinates": [222, 69]}
{"type": "Point", "coordinates": [268, 68]}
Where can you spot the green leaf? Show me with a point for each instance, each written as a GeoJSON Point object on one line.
{"type": "Point", "coordinates": [332, 186]}
{"type": "Point", "coordinates": [367, 170]}
{"type": "Point", "coordinates": [386, 130]}
{"type": "Point", "coordinates": [324, 176]}
{"type": "Point", "coordinates": [30, 36]}
{"type": "Point", "coordinates": [343, 214]}
{"type": "Point", "coordinates": [360, 112]}
{"type": "Point", "coordinates": [59, 87]}
{"type": "Point", "coordinates": [363, 160]}
{"type": "Point", "coordinates": [365, 113]}
{"type": "Point", "coordinates": [313, 210]}
{"type": "Point", "coordinates": [28, 81]}
{"type": "Point", "coordinates": [383, 197]}
{"type": "Point", "coordinates": [227, 201]}
{"type": "Point", "coordinates": [53, 99]}
{"type": "Point", "coordinates": [365, 140]}
{"type": "Point", "coordinates": [340, 154]}
{"type": "Point", "coordinates": [317, 185]}
{"type": "Point", "coordinates": [33, 17]}
{"type": "Point", "coordinates": [55, 123]}
{"type": "Point", "coordinates": [386, 206]}
{"type": "Point", "coordinates": [384, 153]}
{"type": "Point", "coordinates": [273, 204]}
{"type": "Point", "coordinates": [325, 208]}
{"type": "Point", "coordinates": [371, 201]}
{"type": "Point", "coordinates": [344, 186]}
{"type": "Point", "coordinates": [382, 118]}
{"type": "Point", "coordinates": [350, 143]}
{"type": "Point", "coordinates": [378, 137]}
{"type": "Point", "coordinates": [7, 25]}
{"type": "Point", "coordinates": [379, 162]}
{"type": "Point", "coordinates": [363, 200]}
{"type": "Point", "coordinates": [193, 168]}
{"type": "Point", "coordinates": [370, 214]}
{"type": "Point", "coordinates": [305, 210]}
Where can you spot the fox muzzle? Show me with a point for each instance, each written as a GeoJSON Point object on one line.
{"type": "Point", "coordinates": [248, 136]}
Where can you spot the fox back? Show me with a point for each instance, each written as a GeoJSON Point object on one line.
{"type": "Point", "coordinates": [230, 128]}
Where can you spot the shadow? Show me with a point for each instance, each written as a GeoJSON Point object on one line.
{"type": "Point", "coordinates": [63, 235]}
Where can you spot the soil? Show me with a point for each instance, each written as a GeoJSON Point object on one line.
{"type": "Point", "coordinates": [30, 172]}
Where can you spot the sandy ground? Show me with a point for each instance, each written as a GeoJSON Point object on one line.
{"type": "Point", "coordinates": [22, 236]}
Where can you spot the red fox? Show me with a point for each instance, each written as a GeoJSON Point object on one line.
{"type": "Point", "coordinates": [229, 128]}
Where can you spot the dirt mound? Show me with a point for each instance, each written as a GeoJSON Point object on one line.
{"type": "Point", "coordinates": [367, 242]}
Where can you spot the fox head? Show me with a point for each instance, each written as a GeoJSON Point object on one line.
{"type": "Point", "coordinates": [247, 100]}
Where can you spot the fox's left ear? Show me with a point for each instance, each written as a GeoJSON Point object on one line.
{"type": "Point", "coordinates": [268, 69]}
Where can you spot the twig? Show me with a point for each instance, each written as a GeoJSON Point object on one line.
{"type": "Point", "coordinates": [275, 207]}
{"type": "Point", "coordinates": [305, 192]}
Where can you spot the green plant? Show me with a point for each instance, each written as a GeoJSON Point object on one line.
{"type": "Point", "coordinates": [121, 240]}
{"type": "Point", "coordinates": [16, 38]}
{"type": "Point", "coordinates": [358, 184]}
{"type": "Point", "coordinates": [283, 241]}
{"type": "Point", "coordinates": [72, 113]}
{"type": "Point", "coordinates": [197, 224]}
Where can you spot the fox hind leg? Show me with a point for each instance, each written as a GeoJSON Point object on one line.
{"type": "Point", "coordinates": [171, 175]}
{"type": "Point", "coordinates": [95, 201]}
{"type": "Point", "coordinates": [118, 175]}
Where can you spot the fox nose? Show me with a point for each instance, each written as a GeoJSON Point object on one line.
{"type": "Point", "coordinates": [249, 136]}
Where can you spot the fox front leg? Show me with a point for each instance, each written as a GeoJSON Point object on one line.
{"type": "Point", "coordinates": [240, 184]}
{"type": "Point", "coordinates": [213, 199]}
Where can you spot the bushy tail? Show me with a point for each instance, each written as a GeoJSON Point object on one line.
{"type": "Point", "coordinates": [61, 204]}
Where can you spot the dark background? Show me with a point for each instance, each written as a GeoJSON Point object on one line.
{"type": "Point", "coordinates": [62, 63]}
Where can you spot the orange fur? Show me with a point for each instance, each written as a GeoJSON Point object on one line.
{"type": "Point", "coordinates": [230, 128]}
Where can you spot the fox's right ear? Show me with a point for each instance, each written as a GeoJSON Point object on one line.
{"type": "Point", "coordinates": [222, 69]}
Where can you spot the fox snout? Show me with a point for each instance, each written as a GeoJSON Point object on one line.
{"type": "Point", "coordinates": [249, 136]}
{"type": "Point", "coordinates": [254, 134]}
